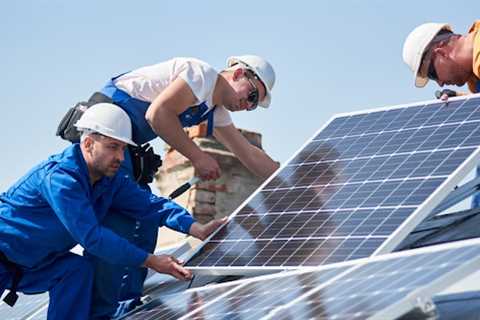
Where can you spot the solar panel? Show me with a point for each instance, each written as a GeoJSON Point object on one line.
{"type": "Point", "coordinates": [177, 305]}
{"type": "Point", "coordinates": [346, 192]}
{"type": "Point", "coordinates": [384, 287]}
{"type": "Point", "coordinates": [245, 299]}
{"type": "Point", "coordinates": [389, 286]}
{"type": "Point", "coordinates": [26, 306]}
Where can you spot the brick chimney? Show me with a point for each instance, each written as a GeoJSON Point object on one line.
{"type": "Point", "coordinates": [209, 199]}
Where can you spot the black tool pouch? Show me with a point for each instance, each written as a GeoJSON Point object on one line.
{"type": "Point", "coordinates": [145, 163]}
{"type": "Point", "coordinates": [66, 129]}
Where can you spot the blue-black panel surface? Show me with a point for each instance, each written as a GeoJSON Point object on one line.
{"type": "Point", "coordinates": [349, 188]}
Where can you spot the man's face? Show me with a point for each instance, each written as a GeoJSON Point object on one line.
{"type": "Point", "coordinates": [441, 66]}
{"type": "Point", "coordinates": [106, 155]}
{"type": "Point", "coordinates": [247, 91]}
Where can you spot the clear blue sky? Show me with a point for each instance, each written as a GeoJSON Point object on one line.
{"type": "Point", "coordinates": [339, 56]}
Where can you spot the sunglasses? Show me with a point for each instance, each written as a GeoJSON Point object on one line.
{"type": "Point", "coordinates": [253, 95]}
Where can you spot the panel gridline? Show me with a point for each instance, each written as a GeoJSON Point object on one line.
{"type": "Point", "coordinates": [349, 188]}
{"type": "Point", "coordinates": [26, 305]}
{"type": "Point", "coordinates": [177, 305]}
{"type": "Point", "coordinates": [373, 287]}
{"type": "Point", "coordinates": [245, 299]}
{"type": "Point", "coordinates": [356, 290]}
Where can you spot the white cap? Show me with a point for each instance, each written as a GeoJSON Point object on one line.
{"type": "Point", "coordinates": [415, 45]}
{"type": "Point", "coordinates": [109, 120]}
{"type": "Point", "coordinates": [262, 69]}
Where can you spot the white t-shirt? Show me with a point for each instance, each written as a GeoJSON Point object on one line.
{"type": "Point", "coordinates": [148, 82]}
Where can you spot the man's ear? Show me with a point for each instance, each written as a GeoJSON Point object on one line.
{"type": "Point", "coordinates": [441, 51]}
{"type": "Point", "coordinates": [88, 143]}
{"type": "Point", "coordinates": [238, 73]}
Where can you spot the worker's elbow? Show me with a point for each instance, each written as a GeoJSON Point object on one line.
{"type": "Point", "coordinates": [151, 116]}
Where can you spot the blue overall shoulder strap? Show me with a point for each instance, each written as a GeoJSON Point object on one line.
{"type": "Point", "coordinates": [197, 114]}
{"type": "Point", "coordinates": [477, 85]}
{"type": "Point", "coordinates": [210, 121]}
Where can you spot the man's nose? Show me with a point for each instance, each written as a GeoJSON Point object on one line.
{"type": "Point", "coordinates": [121, 155]}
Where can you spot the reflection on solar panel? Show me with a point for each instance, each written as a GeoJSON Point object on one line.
{"type": "Point", "coordinates": [178, 305]}
{"type": "Point", "coordinates": [27, 305]}
{"type": "Point", "coordinates": [383, 287]}
{"type": "Point", "coordinates": [346, 192]}
{"type": "Point", "coordinates": [389, 286]}
{"type": "Point", "coordinates": [246, 299]}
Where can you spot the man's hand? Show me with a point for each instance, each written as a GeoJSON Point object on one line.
{"type": "Point", "coordinates": [445, 94]}
{"type": "Point", "coordinates": [207, 167]}
{"type": "Point", "coordinates": [202, 231]}
{"type": "Point", "coordinates": [169, 265]}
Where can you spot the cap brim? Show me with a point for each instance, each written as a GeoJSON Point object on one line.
{"type": "Point", "coordinates": [130, 142]}
{"type": "Point", "coordinates": [265, 103]}
{"type": "Point", "coordinates": [421, 78]}
{"type": "Point", "coordinates": [420, 82]}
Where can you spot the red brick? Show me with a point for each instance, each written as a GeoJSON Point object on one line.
{"type": "Point", "coordinates": [204, 196]}
{"type": "Point", "coordinates": [212, 186]}
{"type": "Point", "coordinates": [204, 208]}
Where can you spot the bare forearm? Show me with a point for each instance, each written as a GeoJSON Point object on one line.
{"type": "Point", "coordinates": [260, 163]}
{"type": "Point", "coordinates": [252, 157]}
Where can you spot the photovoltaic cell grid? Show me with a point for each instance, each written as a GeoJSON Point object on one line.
{"type": "Point", "coordinates": [348, 189]}
{"type": "Point", "coordinates": [384, 287]}
{"type": "Point", "coordinates": [247, 299]}
{"type": "Point", "coordinates": [177, 305]}
{"type": "Point", "coordinates": [26, 305]}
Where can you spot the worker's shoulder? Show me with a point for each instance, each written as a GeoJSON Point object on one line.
{"type": "Point", "coordinates": [69, 161]}
{"type": "Point", "coordinates": [194, 64]}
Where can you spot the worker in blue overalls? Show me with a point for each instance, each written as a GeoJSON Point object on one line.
{"type": "Point", "coordinates": [161, 100]}
{"type": "Point", "coordinates": [433, 51]}
{"type": "Point", "coordinates": [58, 204]}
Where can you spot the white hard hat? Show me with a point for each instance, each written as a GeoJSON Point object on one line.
{"type": "Point", "coordinates": [262, 69]}
{"type": "Point", "coordinates": [109, 120]}
{"type": "Point", "coordinates": [415, 45]}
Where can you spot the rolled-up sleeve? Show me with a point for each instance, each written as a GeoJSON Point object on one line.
{"type": "Point", "coordinates": [70, 202]}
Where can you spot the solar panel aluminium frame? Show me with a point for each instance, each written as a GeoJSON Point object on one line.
{"type": "Point", "coordinates": [415, 218]}
{"type": "Point", "coordinates": [420, 297]}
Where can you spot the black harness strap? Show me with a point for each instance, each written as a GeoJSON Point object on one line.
{"type": "Point", "coordinates": [17, 274]}
{"type": "Point", "coordinates": [145, 163]}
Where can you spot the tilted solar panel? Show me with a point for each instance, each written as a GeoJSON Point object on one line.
{"type": "Point", "coordinates": [245, 299]}
{"type": "Point", "coordinates": [388, 286]}
{"type": "Point", "coordinates": [26, 306]}
{"type": "Point", "coordinates": [384, 287]}
{"type": "Point", "coordinates": [346, 192]}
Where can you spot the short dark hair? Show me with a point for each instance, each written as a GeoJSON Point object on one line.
{"type": "Point", "coordinates": [443, 35]}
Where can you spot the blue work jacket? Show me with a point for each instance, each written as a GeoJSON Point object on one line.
{"type": "Point", "coordinates": [54, 207]}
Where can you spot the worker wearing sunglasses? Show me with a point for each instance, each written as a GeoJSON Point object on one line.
{"type": "Point", "coordinates": [434, 52]}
